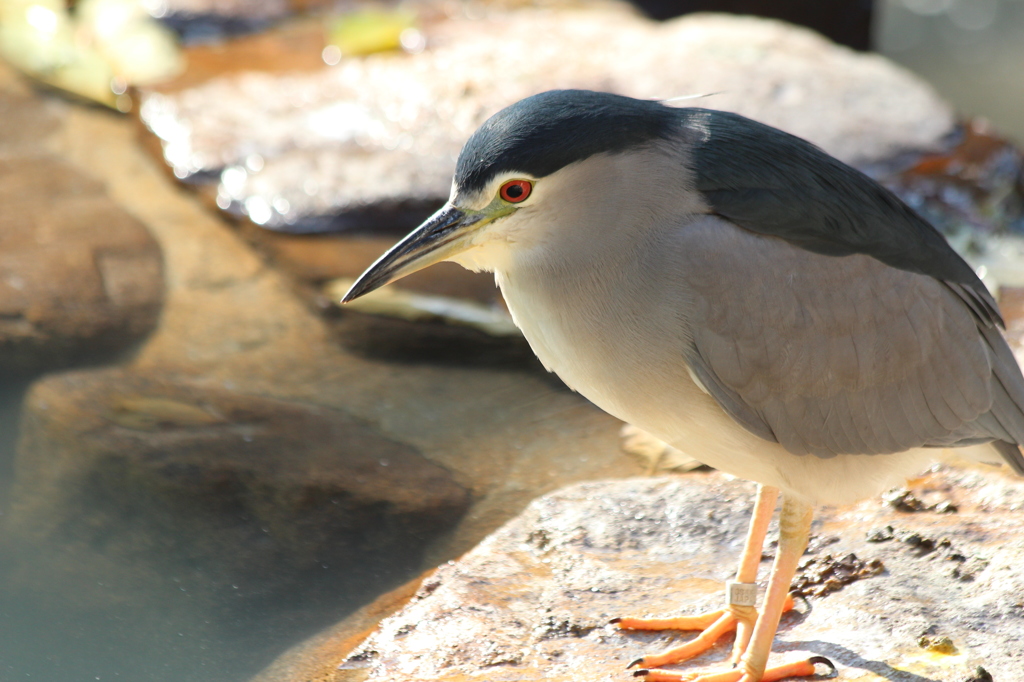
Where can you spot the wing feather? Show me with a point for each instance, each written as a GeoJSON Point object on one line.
{"type": "Point", "coordinates": [841, 355]}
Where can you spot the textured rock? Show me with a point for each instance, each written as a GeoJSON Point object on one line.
{"type": "Point", "coordinates": [80, 278]}
{"type": "Point", "coordinates": [250, 496]}
{"type": "Point", "coordinates": [27, 121]}
{"type": "Point", "coordinates": [534, 599]}
{"type": "Point", "coordinates": [374, 140]}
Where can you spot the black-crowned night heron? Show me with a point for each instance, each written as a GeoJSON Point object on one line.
{"type": "Point", "coordinates": [738, 293]}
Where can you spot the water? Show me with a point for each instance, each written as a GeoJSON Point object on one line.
{"type": "Point", "coordinates": [972, 51]}
{"type": "Point", "coordinates": [44, 636]}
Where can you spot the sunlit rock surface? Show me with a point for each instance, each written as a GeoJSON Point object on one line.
{"type": "Point", "coordinates": [375, 139]}
{"type": "Point", "coordinates": [80, 277]}
{"type": "Point", "coordinates": [533, 600]}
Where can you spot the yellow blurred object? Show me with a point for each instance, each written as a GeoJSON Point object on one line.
{"type": "Point", "coordinates": [105, 47]}
{"type": "Point", "coordinates": [370, 30]}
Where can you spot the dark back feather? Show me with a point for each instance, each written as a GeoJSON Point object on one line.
{"type": "Point", "coordinates": [777, 184]}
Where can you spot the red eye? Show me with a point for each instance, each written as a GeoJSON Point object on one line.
{"type": "Point", "coordinates": [515, 191]}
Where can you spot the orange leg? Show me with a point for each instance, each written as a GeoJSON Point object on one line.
{"type": "Point", "coordinates": [715, 624]}
{"type": "Point", "coordinates": [753, 640]}
{"type": "Point", "coordinates": [794, 532]}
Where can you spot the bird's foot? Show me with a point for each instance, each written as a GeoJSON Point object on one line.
{"type": "Point", "coordinates": [713, 625]}
{"type": "Point", "coordinates": [804, 668]}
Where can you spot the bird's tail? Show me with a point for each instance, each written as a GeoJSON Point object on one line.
{"type": "Point", "coordinates": [1012, 454]}
{"type": "Point", "coordinates": [1007, 399]}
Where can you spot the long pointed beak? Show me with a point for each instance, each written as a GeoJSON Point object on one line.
{"type": "Point", "coordinates": [433, 241]}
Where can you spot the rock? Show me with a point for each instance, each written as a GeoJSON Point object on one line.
{"type": "Point", "coordinates": [239, 496]}
{"type": "Point", "coordinates": [316, 658]}
{"type": "Point", "coordinates": [27, 121]}
{"type": "Point", "coordinates": [972, 190]}
{"type": "Point", "coordinates": [235, 322]}
{"type": "Point", "coordinates": [533, 600]}
{"type": "Point", "coordinates": [375, 139]}
{"type": "Point", "coordinates": [80, 278]}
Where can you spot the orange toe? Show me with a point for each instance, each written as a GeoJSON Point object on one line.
{"type": "Point", "coordinates": [701, 622]}
{"type": "Point", "coordinates": [705, 640]}
{"type": "Point", "coordinates": [795, 669]}
{"type": "Point", "coordinates": [714, 625]}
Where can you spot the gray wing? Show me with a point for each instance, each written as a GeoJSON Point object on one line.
{"type": "Point", "coordinates": [841, 355]}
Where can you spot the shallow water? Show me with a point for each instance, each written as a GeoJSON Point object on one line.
{"type": "Point", "coordinates": [972, 51]}
{"type": "Point", "coordinates": [47, 638]}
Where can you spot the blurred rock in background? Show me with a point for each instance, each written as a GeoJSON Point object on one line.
{"type": "Point", "coordinates": [81, 279]}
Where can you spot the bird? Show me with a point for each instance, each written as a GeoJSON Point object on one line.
{"type": "Point", "coordinates": [742, 295]}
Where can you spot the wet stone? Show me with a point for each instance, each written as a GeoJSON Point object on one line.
{"type": "Point", "coordinates": [237, 496]}
{"type": "Point", "coordinates": [231, 324]}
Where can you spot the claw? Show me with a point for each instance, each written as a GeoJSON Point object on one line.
{"type": "Point", "coordinates": [821, 660]}
{"type": "Point", "coordinates": [655, 675]}
{"type": "Point", "coordinates": [696, 646]}
{"type": "Point", "coordinates": [636, 662]}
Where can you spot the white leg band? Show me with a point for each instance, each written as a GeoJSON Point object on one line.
{"type": "Point", "coordinates": [740, 594]}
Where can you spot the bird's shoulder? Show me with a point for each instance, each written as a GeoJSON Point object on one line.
{"type": "Point", "coordinates": [773, 183]}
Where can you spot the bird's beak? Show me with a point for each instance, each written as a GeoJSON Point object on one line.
{"type": "Point", "coordinates": [442, 235]}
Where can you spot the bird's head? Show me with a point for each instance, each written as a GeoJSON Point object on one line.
{"type": "Point", "coordinates": [521, 172]}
